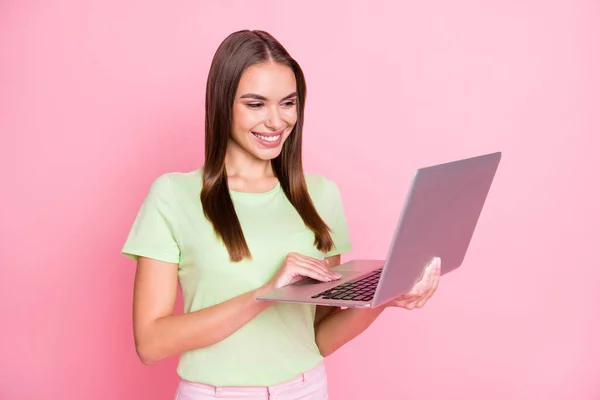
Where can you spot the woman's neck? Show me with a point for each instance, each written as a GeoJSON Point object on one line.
{"type": "Point", "coordinates": [241, 164]}
{"type": "Point", "coordinates": [246, 173]}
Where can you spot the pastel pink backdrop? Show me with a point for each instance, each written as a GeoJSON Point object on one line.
{"type": "Point", "coordinates": [99, 98]}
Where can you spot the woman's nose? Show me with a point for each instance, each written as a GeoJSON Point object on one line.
{"type": "Point", "coordinates": [273, 120]}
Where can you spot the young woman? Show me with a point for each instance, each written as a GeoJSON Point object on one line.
{"type": "Point", "coordinates": [248, 221]}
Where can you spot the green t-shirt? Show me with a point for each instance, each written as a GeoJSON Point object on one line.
{"type": "Point", "coordinates": [279, 343]}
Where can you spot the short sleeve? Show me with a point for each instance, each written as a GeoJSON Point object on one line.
{"type": "Point", "coordinates": [153, 233]}
{"type": "Point", "coordinates": [335, 218]}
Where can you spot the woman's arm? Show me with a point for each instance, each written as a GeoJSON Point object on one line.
{"type": "Point", "coordinates": [340, 327]}
{"type": "Point", "coordinates": [337, 328]}
{"type": "Point", "coordinates": [323, 312]}
{"type": "Point", "coordinates": [159, 334]}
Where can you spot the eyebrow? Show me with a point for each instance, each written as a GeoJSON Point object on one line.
{"type": "Point", "coordinates": [263, 98]}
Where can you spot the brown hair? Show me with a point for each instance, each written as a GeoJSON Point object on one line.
{"type": "Point", "coordinates": [236, 53]}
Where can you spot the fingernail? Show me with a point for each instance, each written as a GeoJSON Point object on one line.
{"type": "Point", "coordinates": [337, 275]}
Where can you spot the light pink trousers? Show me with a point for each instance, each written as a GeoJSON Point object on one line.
{"type": "Point", "coordinates": [311, 385]}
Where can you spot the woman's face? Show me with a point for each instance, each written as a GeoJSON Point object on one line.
{"type": "Point", "coordinates": [264, 110]}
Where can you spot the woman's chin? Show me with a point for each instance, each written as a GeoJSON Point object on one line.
{"type": "Point", "coordinates": [267, 155]}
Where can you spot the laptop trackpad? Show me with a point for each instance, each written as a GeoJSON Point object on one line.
{"type": "Point", "coordinates": [346, 276]}
{"type": "Point", "coordinates": [359, 266]}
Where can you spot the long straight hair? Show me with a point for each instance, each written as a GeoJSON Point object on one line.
{"type": "Point", "coordinates": [236, 53]}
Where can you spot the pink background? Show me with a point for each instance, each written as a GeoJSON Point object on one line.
{"type": "Point", "coordinates": [98, 99]}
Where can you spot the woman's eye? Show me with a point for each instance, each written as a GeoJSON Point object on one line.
{"type": "Point", "coordinates": [289, 103]}
{"type": "Point", "coordinates": [254, 105]}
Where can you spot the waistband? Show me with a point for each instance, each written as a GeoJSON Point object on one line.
{"type": "Point", "coordinates": [308, 376]}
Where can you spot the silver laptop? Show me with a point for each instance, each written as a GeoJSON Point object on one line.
{"type": "Point", "coordinates": [438, 219]}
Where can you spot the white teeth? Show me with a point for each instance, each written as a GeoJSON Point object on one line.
{"type": "Point", "coordinates": [268, 138]}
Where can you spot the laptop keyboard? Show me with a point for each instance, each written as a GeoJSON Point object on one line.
{"type": "Point", "coordinates": [362, 289]}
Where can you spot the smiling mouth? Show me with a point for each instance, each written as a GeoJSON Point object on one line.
{"type": "Point", "coordinates": [268, 137]}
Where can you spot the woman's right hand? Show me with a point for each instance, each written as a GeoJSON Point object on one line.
{"type": "Point", "coordinates": [297, 267]}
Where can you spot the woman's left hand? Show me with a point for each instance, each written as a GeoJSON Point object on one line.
{"type": "Point", "coordinates": [422, 291]}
